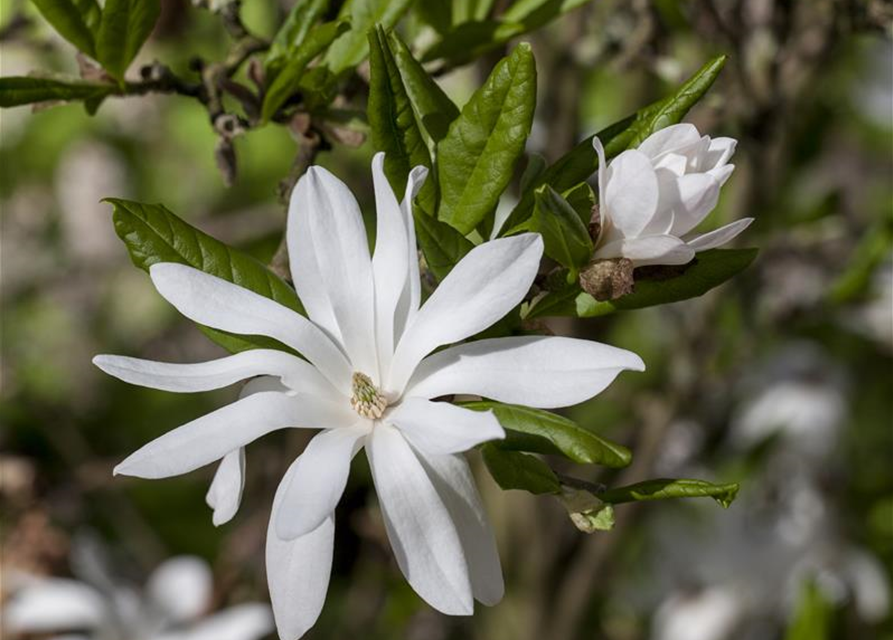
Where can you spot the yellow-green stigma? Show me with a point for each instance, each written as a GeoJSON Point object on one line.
{"type": "Point", "coordinates": [366, 399]}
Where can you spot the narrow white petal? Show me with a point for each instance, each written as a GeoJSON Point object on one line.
{"type": "Point", "coordinates": [455, 485]}
{"type": "Point", "coordinates": [181, 588]}
{"type": "Point", "coordinates": [719, 237]}
{"type": "Point", "coordinates": [422, 533]}
{"type": "Point", "coordinates": [631, 192]}
{"type": "Point", "coordinates": [214, 435]}
{"type": "Point", "coordinates": [222, 305]}
{"type": "Point", "coordinates": [536, 371]}
{"type": "Point", "coordinates": [390, 262]}
{"type": "Point", "coordinates": [719, 152]}
{"type": "Point", "coordinates": [249, 621]}
{"type": "Point", "coordinates": [485, 285]}
{"type": "Point", "coordinates": [53, 605]}
{"type": "Point", "coordinates": [345, 267]}
{"type": "Point", "coordinates": [722, 173]}
{"type": "Point", "coordinates": [317, 479]}
{"type": "Point", "coordinates": [693, 197]}
{"type": "Point", "coordinates": [298, 572]}
{"type": "Point", "coordinates": [295, 373]}
{"type": "Point", "coordinates": [648, 250]}
{"type": "Point", "coordinates": [225, 493]}
{"type": "Point", "coordinates": [602, 174]}
{"type": "Point", "coordinates": [443, 428]}
{"type": "Point", "coordinates": [409, 302]}
{"type": "Point", "coordinates": [668, 139]}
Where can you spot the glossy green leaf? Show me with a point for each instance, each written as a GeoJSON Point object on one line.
{"type": "Point", "coordinates": [476, 159]}
{"type": "Point", "coordinates": [290, 36]}
{"type": "Point", "coordinates": [153, 234]}
{"type": "Point", "coordinates": [16, 91]}
{"type": "Point", "coordinates": [541, 431]}
{"type": "Point", "coordinates": [353, 47]}
{"type": "Point", "coordinates": [515, 470]}
{"type": "Point", "coordinates": [565, 237]}
{"type": "Point", "coordinates": [76, 20]}
{"type": "Point", "coordinates": [125, 26]}
{"type": "Point", "coordinates": [442, 246]}
{"type": "Point", "coordinates": [582, 161]}
{"type": "Point", "coordinates": [536, 164]}
{"type": "Point", "coordinates": [287, 81]}
{"type": "Point", "coordinates": [653, 286]}
{"type": "Point", "coordinates": [663, 488]}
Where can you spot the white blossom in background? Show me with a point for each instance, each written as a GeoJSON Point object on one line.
{"type": "Point", "coordinates": [370, 380]}
{"type": "Point", "coordinates": [173, 606]}
{"type": "Point", "coordinates": [652, 198]}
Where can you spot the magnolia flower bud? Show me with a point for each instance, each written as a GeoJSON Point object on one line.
{"type": "Point", "coordinates": [652, 197]}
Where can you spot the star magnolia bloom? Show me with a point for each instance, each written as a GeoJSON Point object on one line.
{"type": "Point", "coordinates": [369, 381]}
{"type": "Point", "coordinates": [650, 198]}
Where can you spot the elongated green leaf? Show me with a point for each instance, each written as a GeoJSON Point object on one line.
{"type": "Point", "coordinates": [442, 245]}
{"type": "Point", "coordinates": [541, 431]}
{"type": "Point", "coordinates": [515, 470]}
{"type": "Point", "coordinates": [287, 81]}
{"type": "Point", "coordinates": [654, 285]}
{"type": "Point", "coordinates": [76, 20]}
{"type": "Point", "coordinates": [392, 120]}
{"type": "Point", "coordinates": [432, 106]}
{"type": "Point", "coordinates": [15, 91]}
{"type": "Point", "coordinates": [437, 15]}
{"type": "Point", "coordinates": [663, 488]}
{"type": "Point", "coordinates": [125, 26]}
{"type": "Point", "coordinates": [476, 159]}
{"type": "Point", "coordinates": [565, 237]}
{"type": "Point", "coordinates": [813, 619]}
{"type": "Point", "coordinates": [582, 161]}
{"type": "Point", "coordinates": [153, 234]}
{"type": "Point", "coordinates": [353, 47]}
{"type": "Point", "coordinates": [291, 34]}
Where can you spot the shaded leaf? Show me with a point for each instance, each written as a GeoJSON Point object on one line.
{"type": "Point", "coordinates": [290, 36]}
{"type": "Point", "coordinates": [125, 26]}
{"type": "Point", "coordinates": [515, 470]}
{"type": "Point", "coordinates": [476, 159]}
{"type": "Point", "coordinates": [541, 431]}
{"type": "Point", "coordinates": [565, 236]}
{"type": "Point", "coordinates": [664, 488]}
{"type": "Point", "coordinates": [76, 20]}
{"type": "Point", "coordinates": [442, 245]}
{"type": "Point", "coordinates": [16, 91]}
{"type": "Point", "coordinates": [353, 47]}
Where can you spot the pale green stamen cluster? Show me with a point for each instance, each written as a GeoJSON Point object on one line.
{"type": "Point", "coordinates": [366, 399]}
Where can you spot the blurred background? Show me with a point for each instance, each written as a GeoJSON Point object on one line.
{"type": "Point", "coordinates": [780, 380]}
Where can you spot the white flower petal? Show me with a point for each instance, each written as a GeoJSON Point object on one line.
{"type": "Point", "coordinates": [719, 153]}
{"type": "Point", "coordinates": [631, 192]}
{"type": "Point", "coordinates": [535, 371]}
{"type": "Point", "coordinates": [295, 373]}
{"type": "Point", "coordinates": [214, 435]}
{"type": "Point", "coordinates": [719, 237]}
{"type": "Point", "coordinates": [647, 250]}
{"type": "Point", "coordinates": [298, 572]}
{"type": "Point", "coordinates": [485, 285]}
{"type": "Point", "coordinates": [53, 605]}
{"type": "Point", "coordinates": [249, 621]}
{"type": "Point", "coordinates": [341, 249]}
{"type": "Point", "coordinates": [409, 302]}
{"type": "Point", "coordinates": [669, 139]}
{"type": "Point", "coordinates": [443, 428]}
{"type": "Point", "coordinates": [422, 534]}
{"type": "Point", "coordinates": [602, 174]}
{"type": "Point", "coordinates": [722, 173]}
{"type": "Point", "coordinates": [455, 485]}
{"type": "Point", "coordinates": [222, 305]}
{"type": "Point", "coordinates": [317, 479]}
{"type": "Point", "coordinates": [692, 197]}
{"type": "Point", "coordinates": [225, 493]}
{"type": "Point", "coordinates": [181, 588]}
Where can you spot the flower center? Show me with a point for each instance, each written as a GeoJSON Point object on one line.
{"type": "Point", "coordinates": [366, 399]}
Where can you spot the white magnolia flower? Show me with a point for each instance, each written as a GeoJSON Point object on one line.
{"type": "Point", "coordinates": [369, 380]}
{"type": "Point", "coordinates": [652, 197]}
{"type": "Point", "coordinates": [171, 607]}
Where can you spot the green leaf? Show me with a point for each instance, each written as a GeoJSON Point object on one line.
{"type": "Point", "coordinates": [515, 470]}
{"type": "Point", "coordinates": [153, 234]}
{"type": "Point", "coordinates": [582, 161]}
{"type": "Point", "coordinates": [16, 91]}
{"type": "Point", "coordinates": [442, 245]}
{"type": "Point", "coordinates": [437, 15]}
{"type": "Point", "coordinates": [125, 26]}
{"type": "Point", "coordinates": [541, 431]}
{"type": "Point", "coordinates": [565, 237]}
{"type": "Point", "coordinates": [291, 34]}
{"type": "Point", "coordinates": [476, 159]}
{"type": "Point", "coordinates": [536, 164]}
{"type": "Point", "coordinates": [287, 81]}
{"type": "Point", "coordinates": [431, 105]}
{"type": "Point", "coordinates": [76, 20]}
{"type": "Point", "coordinates": [654, 285]}
{"type": "Point", "coordinates": [353, 47]}
{"type": "Point", "coordinates": [663, 488]}
{"type": "Point", "coordinates": [814, 615]}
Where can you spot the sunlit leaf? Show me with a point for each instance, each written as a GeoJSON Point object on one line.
{"type": "Point", "coordinates": [661, 489]}
{"type": "Point", "coordinates": [290, 36]}
{"type": "Point", "coordinates": [76, 20]}
{"type": "Point", "coordinates": [353, 47]}
{"type": "Point", "coordinates": [125, 26]}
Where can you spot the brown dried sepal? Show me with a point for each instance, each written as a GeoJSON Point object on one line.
{"type": "Point", "coordinates": [608, 279]}
{"type": "Point", "coordinates": [595, 223]}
